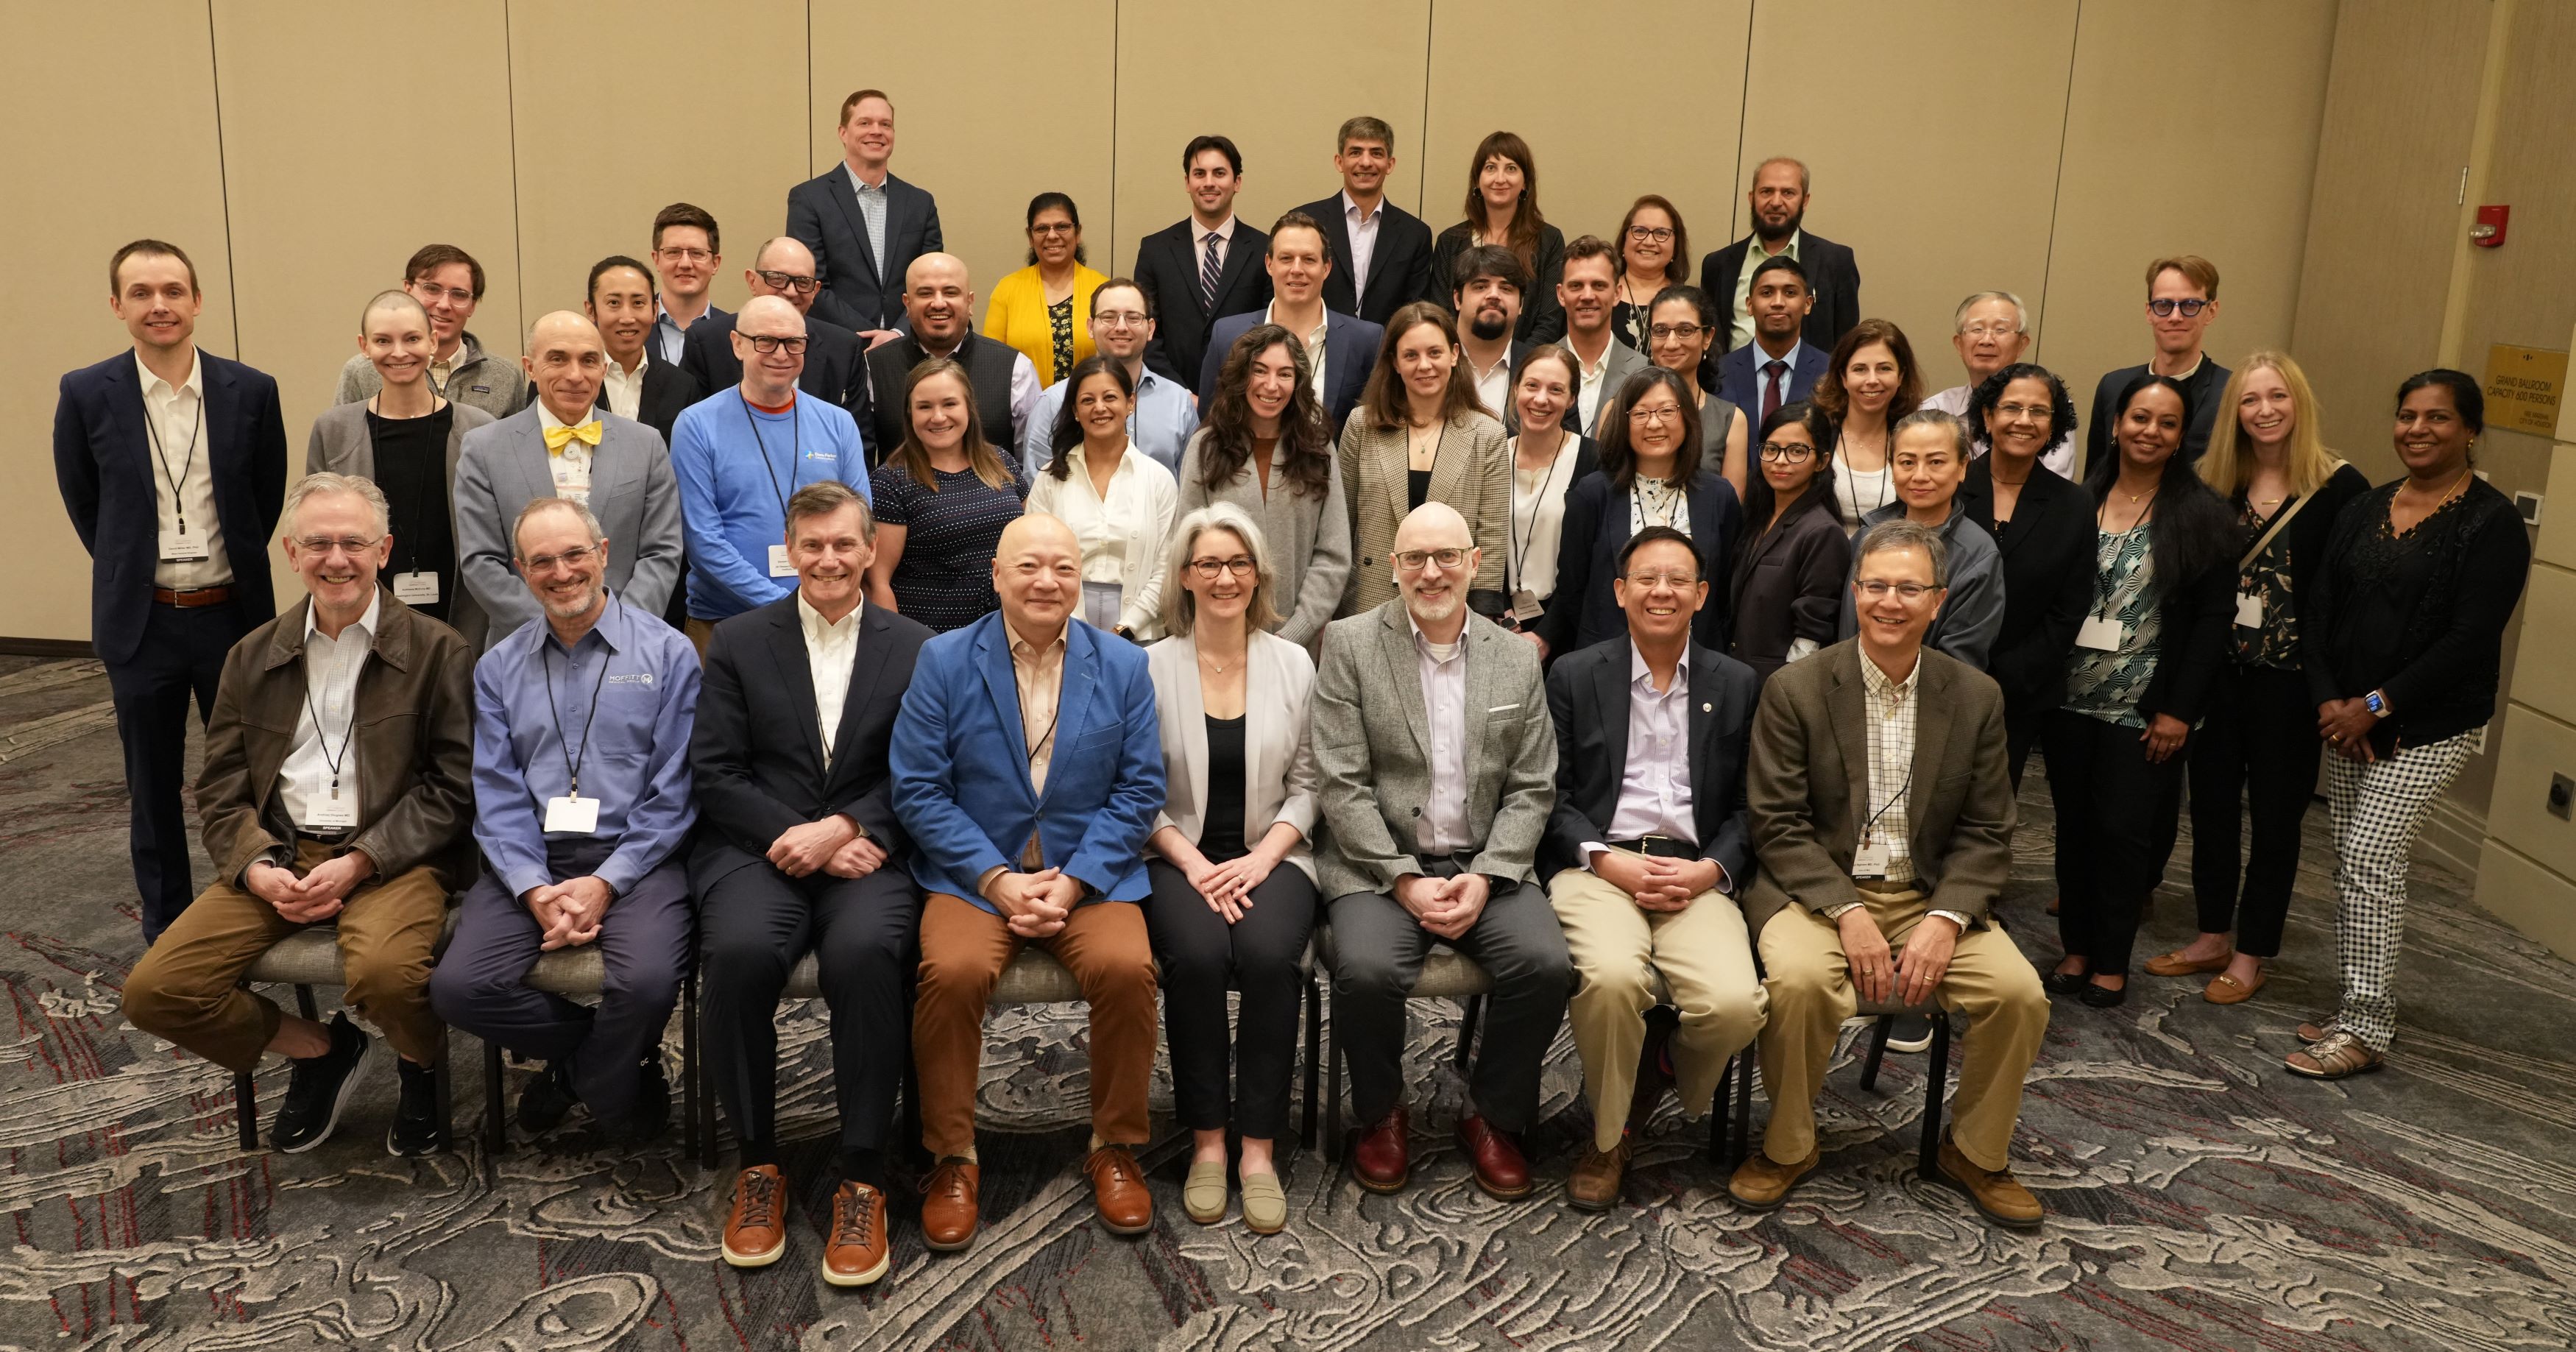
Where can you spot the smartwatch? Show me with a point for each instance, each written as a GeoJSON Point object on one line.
{"type": "Point", "coordinates": [2377, 703]}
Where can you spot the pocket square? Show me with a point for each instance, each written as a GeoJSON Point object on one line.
{"type": "Point", "coordinates": [1502, 708]}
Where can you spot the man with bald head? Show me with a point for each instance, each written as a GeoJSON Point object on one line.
{"type": "Point", "coordinates": [782, 268]}
{"type": "Point", "coordinates": [1436, 761]}
{"type": "Point", "coordinates": [1028, 770]}
{"type": "Point", "coordinates": [561, 446]}
{"type": "Point", "coordinates": [939, 304]}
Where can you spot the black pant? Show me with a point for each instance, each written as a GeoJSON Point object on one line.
{"type": "Point", "coordinates": [756, 922]}
{"type": "Point", "coordinates": [1201, 955]}
{"type": "Point", "coordinates": [2259, 744]}
{"type": "Point", "coordinates": [182, 655]}
{"type": "Point", "coordinates": [2109, 799]}
{"type": "Point", "coordinates": [2021, 732]}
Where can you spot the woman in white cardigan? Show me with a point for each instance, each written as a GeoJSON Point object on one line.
{"type": "Point", "coordinates": [1119, 501]}
{"type": "Point", "coordinates": [1232, 699]}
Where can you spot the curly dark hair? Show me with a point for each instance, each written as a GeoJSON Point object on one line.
{"type": "Point", "coordinates": [2061, 405]}
{"type": "Point", "coordinates": [1304, 456]}
{"type": "Point", "coordinates": [2190, 529]}
{"type": "Point", "coordinates": [1067, 432]}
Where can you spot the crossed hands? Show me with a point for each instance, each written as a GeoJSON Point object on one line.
{"type": "Point", "coordinates": [832, 845]}
{"type": "Point", "coordinates": [569, 911]}
{"type": "Point", "coordinates": [1656, 883]}
{"type": "Point", "coordinates": [1228, 886]}
{"type": "Point", "coordinates": [1034, 905]}
{"type": "Point", "coordinates": [1448, 907]}
{"type": "Point", "coordinates": [317, 895]}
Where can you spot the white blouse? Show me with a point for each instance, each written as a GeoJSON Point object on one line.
{"type": "Point", "coordinates": [1123, 536]}
{"type": "Point", "coordinates": [1538, 516]}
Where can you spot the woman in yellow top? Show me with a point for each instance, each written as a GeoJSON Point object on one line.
{"type": "Point", "coordinates": [1044, 309]}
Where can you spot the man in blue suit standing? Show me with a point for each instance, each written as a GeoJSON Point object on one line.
{"type": "Point", "coordinates": [172, 463]}
{"type": "Point", "coordinates": [1778, 366]}
{"type": "Point", "coordinates": [1028, 770]}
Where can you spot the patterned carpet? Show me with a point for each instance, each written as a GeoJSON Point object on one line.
{"type": "Point", "coordinates": [2200, 1196]}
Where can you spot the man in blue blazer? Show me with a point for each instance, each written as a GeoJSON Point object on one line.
{"type": "Point", "coordinates": [1028, 770]}
{"type": "Point", "coordinates": [1779, 366]}
{"type": "Point", "coordinates": [172, 463]}
{"type": "Point", "coordinates": [864, 225]}
{"type": "Point", "coordinates": [1300, 258]}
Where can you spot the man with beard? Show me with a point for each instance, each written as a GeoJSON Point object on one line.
{"type": "Point", "coordinates": [1779, 199]}
{"type": "Point", "coordinates": [1487, 289]}
{"type": "Point", "coordinates": [939, 305]}
{"type": "Point", "coordinates": [1777, 367]}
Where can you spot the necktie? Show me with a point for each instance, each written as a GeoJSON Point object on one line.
{"type": "Point", "coordinates": [1774, 369]}
{"type": "Point", "coordinates": [1208, 269]}
{"type": "Point", "coordinates": [558, 437]}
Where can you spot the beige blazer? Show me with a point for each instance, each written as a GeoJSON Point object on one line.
{"type": "Point", "coordinates": [1279, 759]}
{"type": "Point", "coordinates": [1472, 472]}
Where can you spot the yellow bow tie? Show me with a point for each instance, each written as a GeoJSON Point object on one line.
{"type": "Point", "coordinates": [556, 436]}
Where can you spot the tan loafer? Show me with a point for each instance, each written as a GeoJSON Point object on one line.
{"type": "Point", "coordinates": [1995, 1194]}
{"type": "Point", "coordinates": [2175, 964]}
{"type": "Point", "coordinates": [1265, 1204]}
{"type": "Point", "coordinates": [1203, 1192]}
{"type": "Point", "coordinates": [2334, 1058]}
{"type": "Point", "coordinates": [1760, 1184]}
{"type": "Point", "coordinates": [1594, 1183]}
{"type": "Point", "coordinates": [2227, 990]}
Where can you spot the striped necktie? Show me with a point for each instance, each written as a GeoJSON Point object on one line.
{"type": "Point", "coordinates": [1208, 269]}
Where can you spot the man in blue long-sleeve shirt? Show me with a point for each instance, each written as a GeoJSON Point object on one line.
{"type": "Point", "coordinates": [582, 800]}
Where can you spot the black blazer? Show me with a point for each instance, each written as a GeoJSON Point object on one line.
{"type": "Point", "coordinates": [1588, 696]}
{"type": "Point", "coordinates": [1739, 376]}
{"type": "Point", "coordinates": [2048, 558]}
{"type": "Point", "coordinates": [667, 390]}
{"type": "Point", "coordinates": [860, 290]}
{"type": "Point", "coordinates": [1167, 267]}
{"type": "Point", "coordinates": [1399, 267]}
{"type": "Point", "coordinates": [1350, 353]}
{"type": "Point", "coordinates": [1832, 274]}
{"type": "Point", "coordinates": [759, 773]}
{"type": "Point", "coordinates": [1789, 586]}
{"type": "Point", "coordinates": [1542, 317]}
{"type": "Point", "coordinates": [1583, 610]}
{"type": "Point", "coordinates": [2205, 384]}
{"type": "Point", "coordinates": [832, 363]}
{"type": "Point", "coordinates": [103, 464]}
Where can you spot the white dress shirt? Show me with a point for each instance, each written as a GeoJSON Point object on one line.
{"type": "Point", "coordinates": [183, 474]}
{"type": "Point", "coordinates": [571, 465]}
{"type": "Point", "coordinates": [1363, 228]}
{"type": "Point", "coordinates": [1125, 534]}
{"type": "Point", "coordinates": [1493, 387]}
{"type": "Point", "coordinates": [624, 389]}
{"type": "Point", "coordinates": [1655, 789]}
{"type": "Point", "coordinates": [1316, 342]}
{"type": "Point", "coordinates": [830, 650]}
{"type": "Point", "coordinates": [1198, 246]}
{"type": "Point", "coordinates": [1593, 379]}
{"type": "Point", "coordinates": [331, 666]}
{"type": "Point", "coordinates": [1443, 827]}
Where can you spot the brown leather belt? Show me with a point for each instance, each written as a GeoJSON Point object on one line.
{"type": "Point", "coordinates": [194, 598]}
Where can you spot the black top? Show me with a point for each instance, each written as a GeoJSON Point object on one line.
{"type": "Point", "coordinates": [1789, 585]}
{"type": "Point", "coordinates": [2047, 547]}
{"type": "Point", "coordinates": [2278, 574]}
{"type": "Point", "coordinates": [411, 468]}
{"type": "Point", "coordinates": [1221, 832]}
{"type": "Point", "coordinates": [1584, 610]}
{"type": "Point", "coordinates": [1417, 486]}
{"type": "Point", "coordinates": [2418, 617]}
{"type": "Point", "coordinates": [1542, 317]}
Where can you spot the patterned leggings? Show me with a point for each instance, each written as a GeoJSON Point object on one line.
{"type": "Point", "coordinates": [2377, 810]}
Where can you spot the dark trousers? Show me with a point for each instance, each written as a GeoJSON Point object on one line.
{"type": "Point", "coordinates": [2259, 745]}
{"type": "Point", "coordinates": [755, 923]}
{"type": "Point", "coordinates": [1200, 956]}
{"type": "Point", "coordinates": [2110, 799]}
{"type": "Point", "coordinates": [480, 983]}
{"type": "Point", "coordinates": [1378, 948]}
{"type": "Point", "coordinates": [182, 656]}
{"type": "Point", "coordinates": [2022, 728]}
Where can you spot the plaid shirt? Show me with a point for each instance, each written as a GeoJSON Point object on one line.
{"type": "Point", "coordinates": [1889, 705]}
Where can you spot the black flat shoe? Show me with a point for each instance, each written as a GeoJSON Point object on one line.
{"type": "Point", "coordinates": [2103, 997]}
{"type": "Point", "coordinates": [2066, 983]}
{"type": "Point", "coordinates": [548, 1097]}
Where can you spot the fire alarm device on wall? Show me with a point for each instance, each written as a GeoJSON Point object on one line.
{"type": "Point", "coordinates": [2489, 231]}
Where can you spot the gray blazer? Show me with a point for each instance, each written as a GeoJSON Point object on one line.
{"type": "Point", "coordinates": [1370, 733]}
{"type": "Point", "coordinates": [1279, 759]}
{"type": "Point", "coordinates": [1622, 362]}
{"type": "Point", "coordinates": [503, 468]}
{"type": "Point", "coordinates": [340, 445]}
{"type": "Point", "coordinates": [1310, 541]}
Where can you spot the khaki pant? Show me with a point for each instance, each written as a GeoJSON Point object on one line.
{"type": "Point", "coordinates": [1811, 995]}
{"type": "Point", "coordinates": [1707, 966]}
{"type": "Point", "coordinates": [186, 988]}
{"type": "Point", "coordinates": [700, 632]}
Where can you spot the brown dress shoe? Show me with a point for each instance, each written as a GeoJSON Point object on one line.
{"type": "Point", "coordinates": [1383, 1158]}
{"type": "Point", "coordinates": [755, 1230]}
{"type": "Point", "coordinates": [1500, 1169]}
{"type": "Point", "coordinates": [2175, 964]}
{"type": "Point", "coordinates": [1118, 1191]}
{"type": "Point", "coordinates": [857, 1253]}
{"type": "Point", "coordinates": [1594, 1184]}
{"type": "Point", "coordinates": [1994, 1192]}
{"type": "Point", "coordinates": [1761, 1185]}
{"type": "Point", "coordinates": [948, 1218]}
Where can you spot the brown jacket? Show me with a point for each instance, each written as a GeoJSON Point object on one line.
{"type": "Point", "coordinates": [414, 743]}
{"type": "Point", "coordinates": [1809, 785]}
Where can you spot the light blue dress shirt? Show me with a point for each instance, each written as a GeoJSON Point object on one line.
{"type": "Point", "coordinates": [1160, 425]}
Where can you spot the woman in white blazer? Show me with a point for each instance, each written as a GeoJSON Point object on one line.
{"type": "Point", "coordinates": [1118, 500]}
{"type": "Point", "coordinates": [1231, 863]}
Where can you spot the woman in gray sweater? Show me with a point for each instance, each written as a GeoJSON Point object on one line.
{"type": "Point", "coordinates": [1264, 446]}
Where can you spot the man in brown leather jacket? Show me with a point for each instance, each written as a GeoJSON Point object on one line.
{"type": "Point", "coordinates": [337, 787]}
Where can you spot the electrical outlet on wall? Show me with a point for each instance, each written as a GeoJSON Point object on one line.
{"type": "Point", "coordinates": [2562, 797]}
{"type": "Point", "coordinates": [2529, 505]}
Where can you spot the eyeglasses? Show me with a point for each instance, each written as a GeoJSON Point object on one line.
{"type": "Point", "coordinates": [788, 281]}
{"type": "Point", "coordinates": [1411, 560]}
{"type": "Point", "coordinates": [2015, 412]}
{"type": "Point", "coordinates": [1650, 234]}
{"type": "Point", "coordinates": [1985, 330]}
{"type": "Point", "coordinates": [1911, 591]}
{"type": "Point", "coordinates": [1685, 332]}
{"type": "Point", "coordinates": [1676, 581]}
{"type": "Point", "coordinates": [1055, 228]}
{"type": "Point", "coordinates": [1788, 452]}
{"type": "Point", "coordinates": [2191, 306]}
{"type": "Point", "coordinates": [570, 558]}
{"type": "Point", "coordinates": [430, 293]}
{"type": "Point", "coordinates": [1661, 413]}
{"type": "Point", "coordinates": [764, 344]}
{"type": "Point", "coordinates": [349, 545]}
{"type": "Point", "coordinates": [1129, 318]}
{"type": "Point", "coordinates": [1207, 569]}
{"type": "Point", "coordinates": [679, 255]}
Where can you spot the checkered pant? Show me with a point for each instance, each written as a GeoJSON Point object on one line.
{"type": "Point", "coordinates": [2377, 809]}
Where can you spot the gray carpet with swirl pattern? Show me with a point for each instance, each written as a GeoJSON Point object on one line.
{"type": "Point", "coordinates": [2199, 1196]}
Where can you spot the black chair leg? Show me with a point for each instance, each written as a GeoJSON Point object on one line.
{"type": "Point", "coordinates": [1314, 1058]}
{"type": "Point", "coordinates": [1334, 1131]}
{"type": "Point", "coordinates": [706, 1102]}
{"type": "Point", "coordinates": [246, 1108]}
{"type": "Point", "coordinates": [496, 1136]}
{"type": "Point", "coordinates": [1721, 1116]}
{"type": "Point", "coordinates": [1877, 1052]}
{"type": "Point", "coordinates": [1744, 1114]}
{"type": "Point", "coordinates": [1468, 1016]}
{"type": "Point", "coordinates": [689, 1086]}
{"type": "Point", "coordinates": [912, 1143]}
{"type": "Point", "coordinates": [445, 1088]}
{"type": "Point", "coordinates": [1929, 1162]}
{"type": "Point", "coordinates": [304, 1003]}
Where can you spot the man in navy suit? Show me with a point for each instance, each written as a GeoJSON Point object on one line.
{"type": "Point", "coordinates": [172, 463]}
{"type": "Point", "coordinates": [1779, 199]}
{"type": "Point", "coordinates": [1778, 366]}
{"type": "Point", "coordinates": [1202, 269]}
{"type": "Point", "coordinates": [864, 225]}
{"type": "Point", "coordinates": [1385, 250]}
{"type": "Point", "coordinates": [1340, 349]}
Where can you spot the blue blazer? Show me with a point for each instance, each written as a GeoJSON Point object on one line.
{"type": "Point", "coordinates": [961, 779]}
{"type": "Point", "coordinates": [103, 462]}
{"type": "Point", "coordinates": [1350, 351]}
{"type": "Point", "coordinates": [1739, 376]}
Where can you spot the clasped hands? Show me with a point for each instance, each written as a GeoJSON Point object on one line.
{"type": "Point", "coordinates": [2346, 724]}
{"type": "Point", "coordinates": [1914, 974]}
{"type": "Point", "coordinates": [1034, 905]}
{"type": "Point", "coordinates": [1654, 882]}
{"type": "Point", "coordinates": [1447, 907]}
{"type": "Point", "coordinates": [832, 845]}
{"type": "Point", "coordinates": [317, 895]}
{"type": "Point", "coordinates": [570, 911]}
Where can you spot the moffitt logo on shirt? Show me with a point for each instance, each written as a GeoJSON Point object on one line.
{"type": "Point", "coordinates": [631, 678]}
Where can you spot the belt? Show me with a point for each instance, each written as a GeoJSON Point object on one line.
{"type": "Point", "coordinates": [336, 838]}
{"type": "Point", "coordinates": [194, 597]}
{"type": "Point", "coordinates": [1884, 888]}
{"type": "Point", "coordinates": [1660, 847]}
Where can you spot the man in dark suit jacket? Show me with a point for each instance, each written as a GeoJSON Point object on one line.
{"type": "Point", "coordinates": [799, 850]}
{"type": "Point", "coordinates": [864, 225]}
{"type": "Point", "coordinates": [1779, 198]}
{"type": "Point", "coordinates": [2186, 287]}
{"type": "Point", "coordinates": [172, 463]}
{"type": "Point", "coordinates": [1300, 263]}
{"type": "Point", "coordinates": [1647, 850]}
{"type": "Point", "coordinates": [1778, 366]}
{"type": "Point", "coordinates": [621, 306]}
{"type": "Point", "coordinates": [939, 302]}
{"type": "Point", "coordinates": [1388, 265]}
{"type": "Point", "coordinates": [1173, 264]}
{"type": "Point", "coordinates": [833, 354]}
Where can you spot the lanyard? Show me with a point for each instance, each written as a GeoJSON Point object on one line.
{"type": "Point", "coordinates": [348, 731]}
{"type": "Point", "coordinates": [151, 429]}
{"type": "Point", "coordinates": [563, 743]}
{"type": "Point", "coordinates": [1520, 537]}
{"type": "Point", "coordinates": [795, 448]}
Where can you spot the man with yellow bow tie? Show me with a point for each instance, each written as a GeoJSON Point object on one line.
{"type": "Point", "coordinates": [561, 446]}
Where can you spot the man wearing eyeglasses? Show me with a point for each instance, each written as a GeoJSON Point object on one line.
{"type": "Point", "coordinates": [449, 284]}
{"type": "Point", "coordinates": [1778, 366]}
{"type": "Point", "coordinates": [2182, 302]}
{"type": "Point", "coordinates": [686, 254]}
{"type": "Point", "coordinates": [939, 303]}
{"type": "Point", "coordinates": [1882, 819]}
{"type": "Point", "coordinates": [1437, 770]}
{"type": "Point", "coordinates": [1779, 199]}
{"type": "Point", "coordinates": [561, 446]}
{"type": "Point", "coordinates": [1992, 331]}
{"type": "Point", "coordinates": [783, 269]}
{"type": "Point", "coordinates": [1164, 415]}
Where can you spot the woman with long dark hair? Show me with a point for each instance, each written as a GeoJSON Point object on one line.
{"type": "Point", "coordinates": [1419, 435]}
{"type": "Point", "coordinates": [1868, 387]}
{"type": "Point", "coordinates": [1502, 208]}
{"type": "Point", "coordinates": [1119, 502]}
{"type": "Point", "coordinates": [2042, 523]}
{"type": "Point", "coordinates": [1789, 569]}
{"type": "Point", "coordinates": [1651, 475]}
{"type": "Point", "coordinates": [941, 501]}
{"type": "Point", "coordinates": [1265, 448]}
{"type": "Point", "coordinates": [1686, 332]}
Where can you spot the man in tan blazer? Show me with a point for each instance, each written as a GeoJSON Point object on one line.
{"type": "Point", "coordinates": [1883, 820]}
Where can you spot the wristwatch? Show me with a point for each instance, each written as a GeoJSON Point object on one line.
{"type": "Point", "coordinates": [2377, 703]}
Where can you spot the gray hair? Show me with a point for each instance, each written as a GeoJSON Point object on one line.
{"type": "Point", "coordinates": [1783, 159]}
{"type": "Point", "coordinates": [535, 505]}
{"type": "Point", "coordinates": [1180, 608]}
{"type": "Point", "coordinates": [314, 485]}
{"type": "Point", "coordinates": [1905, 534]}
{"type": "Point", "coordinates": [2021, 312]}
{"type": "Point", "coordinates": [1949, 426]}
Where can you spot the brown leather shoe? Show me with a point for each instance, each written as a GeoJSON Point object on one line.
{"type": "Point", "coordinates": [1761, 1185]}
{"type": "Point", "coordinates": [948, 1218]}
{"type": "Point", "coordinates": [1118, 1191]}
{"type": "Point", "coordinates": [1383, 1157]}
{"type": "Point", "coordinates": [1594, 1184]}
{"type": "Point", "coordinates": [1500, 1169]}
{"type": "Point", "coordinates": [1993, 1192]}
{"type": "Point", "coordinates": [2334, 1057]}
{"type": "Point", "coordinates": [2175, 964]}
{"type": "Point", "coordinates": [857, 1253]}
{"type": "Point", "coordinates": [2313, 1033]}
{"type": "Point", "coordinates": [755, 1231]}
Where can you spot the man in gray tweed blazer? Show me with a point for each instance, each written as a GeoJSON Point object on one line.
{"type": "Point", "coordinates": [1438, 772]}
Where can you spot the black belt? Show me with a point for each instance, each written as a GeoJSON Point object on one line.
{"type": "Point", "coordinates": [341, 838]}
{"type": "Point", "coordinates": [1660, 847]}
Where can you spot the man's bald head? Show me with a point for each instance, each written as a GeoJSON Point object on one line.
{"type": "Point", "coordinates": [939, 300]}
{"type": "Point", "coordinates": [784, 268]}
{"type": "Point", "coordinates": [1035, 529]}
{"type": "Point", "coordinates": [566, 361]}
{"type": "Point", "coordinates": [769, 316]}
{"type": "Point", "coordinates": [1433, 525]}
{"type": "Point", "coordinates": [1037, 573]}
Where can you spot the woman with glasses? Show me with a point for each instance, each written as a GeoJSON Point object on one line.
{"type": "Point", "coordinates": [1041, 308]}
{"type": "Point", "coordinates": [1654, 253]}
{"type": "Point", "coordinates": [1232, 701]}
{"type": "Point", "coordinates": [1790, 567]}
{"type": "Point", "coordinates": [1118, 501]}
{"type": "Point", "coordinates": [1927, 466]}
{"type": "Point", "coordinates": [941, 501]}
{"type": "Point", "coordinates": [2043, 526]}
{"type": "Point", "coordinates": [1502, 208]}
{"type": "Point", "coordinates": [1420, 435]}
{"type": "Point", "coordinates": [1548, 460]}
{"type": "Point", "coordinates": [1868, 387]}
{"type": "Point", "coordinates": [1685, 335]}
{"type": "Point", "coordinates": [1264, 449]}
{"type": "Point", "coordinates": [1651, 474]}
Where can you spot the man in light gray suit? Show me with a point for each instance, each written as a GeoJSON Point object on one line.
{"type": "Point", "coordinates": [1437, 772]}
{"type": "Point", "coordinates": [562, 447]}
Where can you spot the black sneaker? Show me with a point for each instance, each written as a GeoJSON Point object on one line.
{"type": "Point", "coordinates": [1913, 1033]}
{"type": "Point", "coordinates": [652, 1115]}
{"type": "Point", "coordinates": [418, 1127]}
{"type": "Point", "coordinates": [547, 1098]}
{"type": "Point", "coordinates": [319, 1088]}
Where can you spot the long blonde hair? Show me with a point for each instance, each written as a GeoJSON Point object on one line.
{"type": "Point", "coordinates": [2228, 468]}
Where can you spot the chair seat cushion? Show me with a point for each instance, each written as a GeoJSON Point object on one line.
{"type": "Point", "coordinates": [311, 956]}
{"type": "Point", "coordinates": [1033, 978]}
{"type": "Point", "coordinates": [1446, 973]}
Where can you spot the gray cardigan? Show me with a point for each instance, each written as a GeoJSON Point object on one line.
{"type": "Point", "coordinates": [1309, 541]}
{"type": "Point", "coordinates": [1973, 612]}
{"type": "Point", "coordinates": [495, 385]}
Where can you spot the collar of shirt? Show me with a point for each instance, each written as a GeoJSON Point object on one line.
{"type": "Point", "coordinates": [610, 628]}
{"type": "Point", "coordinates": [155, 387]}
{"type": "Point", "coordinates": [862, 186]}
{"type": "Point", "coordinates": [1643, 677]}
{"type": "Point", "coordinates": [1351, 210]}
{"type": "Point", "coordinates": [1028, 652]}
{"type": "Point", "coordinates": [1080, 462]}
{"type": "Point", "coordinates": [1481, 374]}
{"type": "Point", "coordinates": [365, 627]}
{"type": "Point", "coordinates": [1758, 253]}
{"type": "Point", "coordinates": [1762, 360]}
{"type": "Point", "coordinates": [1224, 231]}
{"type": "Point", "coordinates": [546, 417]}
{"type": "Point", "coordinates": [819, 631]}
{"type": "Point", "coordinates": [1315, 338]}
{"type": "Point", "coordinates": [1881, 685]}
{"type": "Point", "coordinates": [2197, 363]}
{"type": "Point", "coordinates": [1422, 642]}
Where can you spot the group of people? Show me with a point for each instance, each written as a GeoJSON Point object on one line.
{"type": "Point", "coordinates": [1665, 650]}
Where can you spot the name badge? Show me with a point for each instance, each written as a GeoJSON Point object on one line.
{"type": "Point", "coordinates": [416, 589]}
{"type": "Point", "coordinates": [778, 564]}
{"type": "Point", "coordinates": [1870, 861]}
{"type": "Point", "coordinates": [2249, 611]}
{"type": "Point", "coordinates": [1526, 606]}
{"type": "Point", "coordinates": [572, 816]}
{"type": "Point", "coordinates": [2100, 633]}
{"type": "Point", "coordinates": [183, 546]}
{"type": "Point", "coordinates": [331, 814]}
